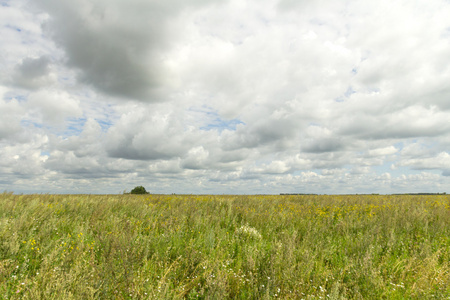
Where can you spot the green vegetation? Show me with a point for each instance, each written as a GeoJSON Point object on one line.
{"type": "Point", "coordinates": [139, 190]}
{"type": "Point", "coordinates": [224, 247]}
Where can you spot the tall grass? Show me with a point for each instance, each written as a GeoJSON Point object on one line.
{"type": "Point", "coordinates": [224, 247]}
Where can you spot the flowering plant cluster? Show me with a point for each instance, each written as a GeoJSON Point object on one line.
{"type": "Point", "coordinates": [247, 231]}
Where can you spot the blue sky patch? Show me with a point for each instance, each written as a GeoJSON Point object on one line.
{"type": "Point", "coordinates": [213, 121]}
{"type": "Point", "coordinates": [104, 124]}
{"type": "Point", "coordinates": [222, 124]}
{"type": "Point", "coordinates": [15, 28]}
{"type": "Point", "coordinates": [11, 96]}
{"type": "Point", "coordinates": [75, 127]}
{"type": "Point", "coordinates": [349, 92]}
{"type": "Point", "coordinates": [28, 123]}
{"type": "Point", "coordinates": [399, 146]}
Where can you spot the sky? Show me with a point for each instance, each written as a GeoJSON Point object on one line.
{"type": "Point", "coordinates": [225, 97]}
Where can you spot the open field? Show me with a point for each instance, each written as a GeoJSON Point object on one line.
{"type": "Point", "coordinates": [224, 247]}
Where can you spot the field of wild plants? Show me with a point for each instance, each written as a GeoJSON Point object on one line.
{"type": "Point", "coordinates": [224, 247]}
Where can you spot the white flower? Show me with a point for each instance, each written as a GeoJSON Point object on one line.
{"type": "Point", "coordinates": [248, 231]}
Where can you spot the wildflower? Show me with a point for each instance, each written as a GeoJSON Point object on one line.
{"type": "Point", "coordinates": [248, 231]}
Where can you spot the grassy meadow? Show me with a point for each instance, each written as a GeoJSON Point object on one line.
{"type": "Point", "coordinates": [224, 247]}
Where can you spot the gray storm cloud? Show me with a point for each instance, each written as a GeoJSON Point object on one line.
{"type": "Point", "coordinates": [33, 73]}
{"type": "Point", "coordinates": [117, 46]}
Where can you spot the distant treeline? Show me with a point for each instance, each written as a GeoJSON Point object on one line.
{"type": "Point", "coordinates": [371, 194]}
{"type": "Point", "coordinates": [296, 194]}
{"type": "Point", "coordinates": [422, 194]}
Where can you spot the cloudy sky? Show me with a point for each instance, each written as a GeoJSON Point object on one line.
{"type": "Point", "coordinates": [229, 96]}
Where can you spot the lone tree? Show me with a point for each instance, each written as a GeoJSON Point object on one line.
{"type": "Point", "coordinates": [139, 190]}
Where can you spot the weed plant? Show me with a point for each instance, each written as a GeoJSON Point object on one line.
{"type": "Point", "coordinates": [224, 247]}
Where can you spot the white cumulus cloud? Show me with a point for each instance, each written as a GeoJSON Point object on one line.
{"type": "Point", "coordinates": [206, 96]}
